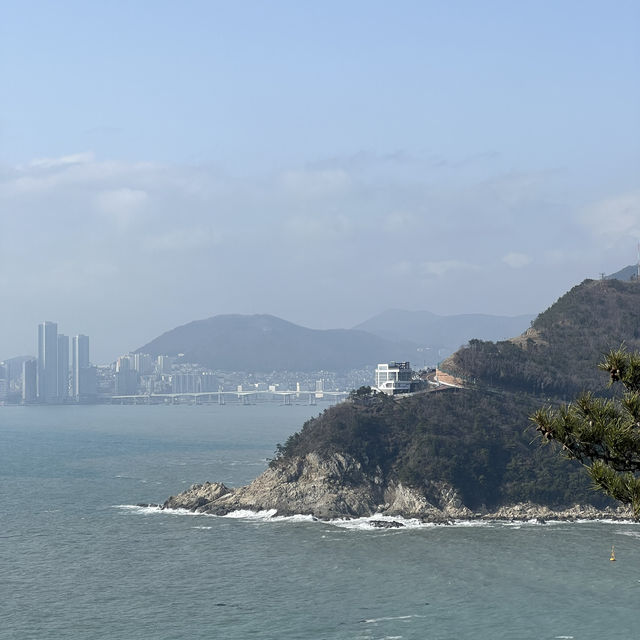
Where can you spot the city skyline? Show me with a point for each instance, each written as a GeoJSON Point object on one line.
{"type": "Point", "coordinates": [48, 379]}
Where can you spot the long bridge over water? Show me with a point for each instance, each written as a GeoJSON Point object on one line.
{"type": "Point", "coordinates": [236, 397]}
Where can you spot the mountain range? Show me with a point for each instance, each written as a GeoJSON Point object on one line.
{"type": "Point", "coordinates": [264, 343]}
{"type": "Point", "coordinates": [438, 336]}
{"type": "Point", "coordinates": [267, 343]}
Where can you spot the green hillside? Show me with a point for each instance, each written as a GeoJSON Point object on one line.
{"type": "Point", "coordinates": [557, 356]}
{"type": "Point", "coordinates": [478, 439]}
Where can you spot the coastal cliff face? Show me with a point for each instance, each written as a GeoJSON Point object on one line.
{"type": "Point", "coordinates": [338, 488]}
{"type": "Point", "coordinates": [326, 488]}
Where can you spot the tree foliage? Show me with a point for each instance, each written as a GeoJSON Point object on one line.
{"type": "Point", "coordinates": [472, 440]}
{"type": "Point", "coordinates": [555, 357]}
{"type": "Point", "coordinates": [603, 434]}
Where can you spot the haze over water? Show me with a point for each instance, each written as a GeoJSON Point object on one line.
{"type": "Point", "coordinates": [80, 560]}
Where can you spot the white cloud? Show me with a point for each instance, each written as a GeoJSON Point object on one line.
{"type": "Point", "coordinates": [516, 260]}
{"type": "Point", "coordinates": [615, 218]}
{"type": "Point", "coordinates": [62, 161]}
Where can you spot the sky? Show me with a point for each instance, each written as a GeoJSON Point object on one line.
{"type": "Point", "coordinates": [163, 162]}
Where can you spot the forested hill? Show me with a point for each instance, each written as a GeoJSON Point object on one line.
{"type": "Point", "coordinates": [478, 442]}
{"type": "Point", "coordinates": [266, 343]}
{"type": "Point", "coordinates": [557, 356]}
{"type": "Point", "coordinates": [479, 439]}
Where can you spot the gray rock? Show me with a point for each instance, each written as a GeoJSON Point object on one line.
{"type": "Point", "coordinates": [386, 524]}
{"type": "Point", "coordinates": [197, 496]}
{"type": "Point", "coordinates": [336, 486]}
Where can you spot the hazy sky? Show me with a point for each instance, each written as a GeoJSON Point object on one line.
{"type": "Point", "coordinates": [162, 162]}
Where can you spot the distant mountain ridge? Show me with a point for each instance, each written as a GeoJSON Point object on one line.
{"type": "Point", "coordinates": [439, 336]}
{"type": "Point", "coordinates": [235, 342]}
{"type": "Point", "coordinates": [267, 343]}
{"type": "Point", "coordinates": [626, 274]}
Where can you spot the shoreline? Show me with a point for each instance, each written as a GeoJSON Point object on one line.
{"type": "Point", "coordinates": [516, 514]}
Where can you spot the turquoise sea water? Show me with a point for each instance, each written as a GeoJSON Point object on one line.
{"type": "Point", "coordinates": [78, 560]}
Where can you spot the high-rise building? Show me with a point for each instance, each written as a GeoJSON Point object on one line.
{"type": "Point", "coordinates": [164, 364]}
{"type": "Point", "coordinates": [142, 363]}
{"type": "Point", "coordinates": [47, 362]}
{"type": "Point", "coordinates": [29, 381]}
{"type": "Point", "coordinates": [126, 376]}
{"type": "Point", "coordinates": [83, 378]}
{"type": "Point", "coordinates": [63, 367]}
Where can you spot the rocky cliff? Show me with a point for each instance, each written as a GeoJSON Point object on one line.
{"type": "Point", "coordinates": [329, 487]}
{"type": "Point", "coordinates": [337, 487]}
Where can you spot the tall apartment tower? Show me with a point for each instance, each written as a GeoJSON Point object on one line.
{"type": "Point", "coordinates": [29, 381]}
{"type": "Point", "coordinates": [82, 382]}
{"type": "Point", "coordinates": [48, 362]}
{"type": "Point", "coordinates": [63, 367]}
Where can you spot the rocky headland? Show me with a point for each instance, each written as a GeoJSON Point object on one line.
{"type": "Point", "coordinates": [456, 454]}
{"type": "Point", "coordinates": [338, 488]}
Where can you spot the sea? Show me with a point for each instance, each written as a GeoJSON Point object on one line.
{"type": "Point", "coordinates": [79, 559]}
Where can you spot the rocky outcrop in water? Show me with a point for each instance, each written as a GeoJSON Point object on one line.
{"type": "Point", "coordinates": [332, 487]}
{"type": "Point", "coordinates": [337, 487]}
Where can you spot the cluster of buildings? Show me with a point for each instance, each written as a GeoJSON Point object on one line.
{"type": "Point", "coordinates": [62, 374]}
{"type": "Point", "coordinates": [140, 373]}
{"type": "Point", "coordinates": [52, 378]}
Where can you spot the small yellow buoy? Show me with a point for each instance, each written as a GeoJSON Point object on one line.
{"type": "Point", "coordinates": [613, 554]}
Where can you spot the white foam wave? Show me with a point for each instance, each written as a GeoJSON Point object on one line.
{"type": "Point", "coordinates": [134, 508]}
{"type": "Point", "coordinates": [388, 618]}
{"type": "Point", "coordinates": [246, 514]}
{"type": "Point", "coordinates": [155, 509]}
{"type": "Point", "coordinates": [295, 518]}
{"type": "Point", "coordinates": [604, 521]}
{"type": "Point", "coordinates": [369, 523]}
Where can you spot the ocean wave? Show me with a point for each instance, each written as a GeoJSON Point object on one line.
{"type": "Point", "coordinates": [377, 522]}
{"type": "Point", "coordinates": [246, 514]}
{"type": "Point", "coordinates": [388, 618]}
{"type": "Point", "coordinates": [267, 515]}
{"type": "Point", "coordinates": [603, 521]}
{"type": "Point", "coordinates": [154, 509]}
